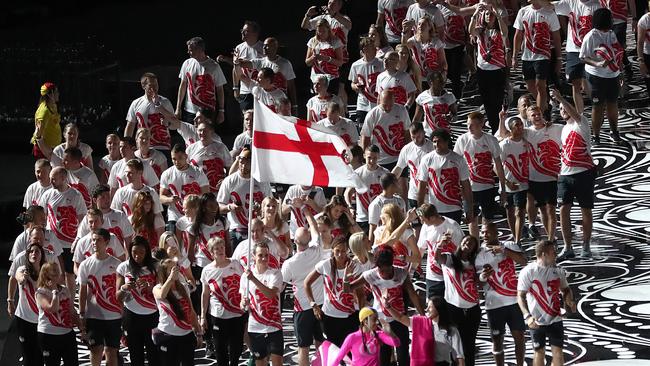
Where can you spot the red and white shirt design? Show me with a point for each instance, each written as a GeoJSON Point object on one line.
{"type": "Point", "coordinates": [345, 128]}
{"type": "Point", "coordinates": [296, 269]}
{"type": "Point", "coordinates": [241, 253]}
{"type": "Point", "coordinates": [603, 46]}
{"type": "Point", "coordinates": [338, 29]}
{"type": "Point", "coordinates": [170, 322]}
{"type": "Point", "coordinates": [182, 183]}
{"type": "Point", "coordinates": [409, 158]}
{"type": "Point", "coordinates": [444, 174]}
{"type": "Point", "coordinates": [84, 248]}
{"type": "Point", "coordinates": [399, 82]}
{"type": "Point", "coordinates": [317, 107]}
{"type": "Point", "coordinates": [479, 155]}
{"type": "Point", "coordinates": [387, 130]}
{"type": "Point", "coordinates": [218, 229]}
{"type": "Point", "coordinates": [460, 288]}
{"type": "Point", "coordinates": [436, 109]}
{"type": "Point", "coordinates": [58, 322]}
{"type": "Point", "coordinates": [202, 80]}
{"type": "Point", "coordinates": [371, 178]}
{"type": "Point", "coordinates": [57, 154]}
{"type": "Point", "coordinates": [394, 13]}
{"type": "Point", "coordinates": [282, 68]}
{"type": "Point", "coordinates": [117, 178]}
{"type": "Point", "coordinates": [269, 97]}
{"type": "Point", "coordinates": [143, 112]}
{"type": "Point", "coordinates": [416, 12]}
{"type": "Point", "coordinates": [141, 300]}
{"type": "Point", "coordinates": [537, 26]}
{"type": "Point", "coordinates": [105, 166]}
{"type": "Point", "coordinates": [101, 278]}
{"type": "Point", "coordinates": [543, 287]}
{"type": "Point", "coordinates": [224, 283]}
{"type": "Point", "coordinates": [455, 28]}
{"type": "Point", "coordinates": [618, 9]}
{"type": "Point", "coordinates": [426, 54]}
{"type": "Point", "coordinates": [156, 159]}
{"type": "Point", "coordinates": [327, 49]}
{"type": "Point", "coordinates": [63, 211]}
{"type": "Point", "coordinates": [431, 237]}
{"type": "Point", "coordinates": [544, 153]}
{"type": "Point", "coordinates": [580, 15]}
{"type": "Point", "coordinates": [364, 74]}
{"type": "Point", "coordinates": [248, 52]}
{"type": "Point", "coordinates": [644, 23]}
{"type": "Point", "coordinates": [26, 309]}
{"type": "Point", "coordinates": [336, 302]}
{"type": "Point", "coordinates": [515, 159]}
{"type": "Point", "coordinates": [124, 199]}
{"type": "Point", "coordinates": [390, 288]}
{"type": "Point", "coordinates": [265, 312]}
{"type": "Point", "coordinates": [576, 147]}
{"type": "Point", "coordinates": [34, 193]}
{"type": "Point", "coordinates": [374, 210]}
{"type": "Point", "coordinates": [115, 221]}
{"type": "Point", "coordinates": [501, 286]}
{"type": "Point", "coordinates": [400, 247]}
{"type": "Point", "coordinates": [298, 218]}
{"type": "Point", "coordinates": [236, 189]}
{"type": "Point", "coordinates": [213, 159]}
{"type": "Point", "coordinates": [83, 180]}
{"type": "Point", "coordinates": [491, 42]}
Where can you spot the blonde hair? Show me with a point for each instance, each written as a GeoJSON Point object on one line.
{"type": "Point", "coordinates": [213, 242]}
{"type": "Point", "coordinates": [358, 246]}
{"type": "Point", "coordinates": [47, 269]}
{"type": "Point", "coordinates": [277, 218]}
{"type": "Point", "coordinates": [395, 217]}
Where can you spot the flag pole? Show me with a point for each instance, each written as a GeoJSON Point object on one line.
{"type": "Point", "coordinates": [251, 203]}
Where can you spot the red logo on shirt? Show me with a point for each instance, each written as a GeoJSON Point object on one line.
{"type": "Point", "coordinates": [202, 93]}
{"type": "Point", "coordinates": [64, 223]}
{"type": "Point", "coordinates": [214, 170]}
{"type": "Point", "coordinates": [548, 300]}
{"type": "Point", "coordinates": [400, 94]}
{"type": "Point", "coordinates": [546, 158]}
{"type": "Point", "coordinates": [518, 167]}
{"type": "Point", "coordinates": [579, 27]}
{"type": "Point", "coordinates": [159, 133]}
{"type": "Point", "coordinates": [613, 54]}
{"type": "Point", "coordinates": [324, 67]}
{"type": "Point", "coordinates": [574, 152]}
{"type": "Point", "coordinates": [266, 310]}
{"type": "Point", "coordinates": [480, 168]}
{"type": "Point", "coordinates": [436, 115]}
{"type": "Point", "coordinates": [538, 39]}
{"type": "Point", "coordinates": [84, 192]}
{"type": "Point", "coordinates": [228, 294]}
{"type": "Point", "coordinates": [455, 32]}
{"type": "Point", "coordinates": [373, 191]}
{"type": "Point", "coordinates": [392, 142]}
{"type": "Point", "coordinates": [369, 86]}
{"type": "Point", "coordinates": [446, 188]}
{"type": "Point", "coordinates": [394, 19]}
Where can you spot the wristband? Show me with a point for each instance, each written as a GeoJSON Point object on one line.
{"type": "Point", "coordinates": [11, 300]}
{"type": "Point", "coordinates": [526, 316]}
{"type": "Point", "coordinates": [235, 88]}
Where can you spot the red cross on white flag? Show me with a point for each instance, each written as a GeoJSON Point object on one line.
{"type": "Point", "coordinates": [293, 151]}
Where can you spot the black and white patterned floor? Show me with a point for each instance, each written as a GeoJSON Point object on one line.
{"type": "Point", "coordinates": [612, 326]}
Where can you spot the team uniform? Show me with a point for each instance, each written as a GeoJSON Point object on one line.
{"type": "Point", "coordinates": [105, 165]}
{"type": "Point", "coordinates": [374, 210]}
{"type": "Point", "coordinates": [317, 106]}
{"type": "Point", "coordinates": [83, 180]}
{"type": "Point", "coordinates": [282, 68]}
{"type": "Point", "coordinates": [409, 161]}
{"type": "Point", "coordinates": [202, 77]}
{"type": "Point", "coordinates": [298, 218]}
{"type": "Point", "coordinates": [394, 12]}
{"type": "Point", "coordinates": [213, 159]}
{"type": "Point", "coordinates": [327, 49]}
{"type": "Point", "coordinates": [247, 52]}
{"type": "Point", "coordinates": [143, 112]}
{"type": "Point", "coordinates": [51, 245]}
{"type": "Point", "coordinates": [436, 109]}
{"type": "Point", "coordinates": [124, 199]}
{"type": "Point", "coordinates": [579, 14]}
{"type": "Point", "coordinates": [156, 160]}
{"type": "Point", "coordinates": [218, 229]}
{"type": "Point", "coordinates": [269, 98]}
{"type": "Point", "coordinates": [33, 193]}
{"type": "Point", "coordinates": [364, 74]}
{"type": "Point", "coordinates": [117, 178]}
{"type": "Point", "coordinates": [86, 154]}
{"type": "Point", "coordinates": [115, 221]}
{"type": "Point", "coordinates": [544, 168]}
{"type": "Point", "coordinates": [276, 258]}
{"type": "Point", "coordinates": [537, 26]}
{"type": "Point", "coordinates": [599, 45]}
{"type": "Point", "coordinates": [578, 171]}
{"type": "Point", "coordinates": [371, 179]}
{"type": "Point", "coordinates": [431, 237]}
{"type": "Point", "coordinates": [83, 249]}
{"type": "Point", "coordinates": [515, 159]}
{"type": "Point", "coordinates": [400, 247]}
{"type": "Point", "coordinates": [190, 134]}
{"type": "Point", "coordinates": [425, 54]}
{"type": "Point", "coordinates": [399, 82]}
{"type": "Point", "coordinates": [387, 130]}
{"type": "Point", "coordinates": [344, 128]}
{"type": "Point", "coordinates": [55, 329]}
{"type": "Point", "coordinates": [182, 183]}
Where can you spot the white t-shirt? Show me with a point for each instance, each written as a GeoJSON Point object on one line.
{"type": "Point", "coordinates": [644, 23]}
{"type": "Point", "coordinates": [543, 296]}
{"type": "Point", "coordinates": [33, 193]}
{"type": "Point", "coordinates": [265, 313]}
{"type": "Point", "coordinates": [544, 150]}
{"type": "Point", "coordinates": [59, 322]}
{"type": "Point", "coordinates": [448, 344]}
{"type": "Point", "coordinates": [576, 147]}
{"type": "Point", "coordinates": [124, 199]}
{"type": "Point", "coordinates": [365, 73]}
{"type": "Point", "coordinates": [83, 180]}
{"type": "Point", "coordinates": [371, 179]}
{"type": "Point", "coordinates": [409, 158]}
{"type": "Point", "coordinates": [156, 159]}
{"type": "Point", "coordinates": [618, 9]}
{"type": "Point", "coordinates": [213, 159]}
{"type": "Point", "coordinates": [143, 112]}
{"type": "Point", "coordinates": [443, 174]}
{"type": "Point", "coordinates": [168, 321]}
{"type": "Point", "coordinates": [26, 308]}
{"type": "Point", "coordinates": [281, 67]}
{"type": "Point", "coordinates": [269, 97]}
{"type": "Point", "coordinates": [460, 288]}
{"type": "Point", "coordinates": [501, 286]}
{"type": "Point", "coordinates": [514, 156]}
{"type": "Point", "coordinates": [51, 244]}
{"type": "Point", "coordinates": [101, 277]}
{"type": "Point", "coordinates": [202, 80]}
{"type": "Point", "coordinates": [339, 30]}
{"type": "Point", "coordinates": [492, 42]}
{"type": "Point", "coordinates": [399, 82]}
{"type": "Point", "coordinates": [344, 128]}
{"type": "Point", "coordinates": [248, 52]}
{"type": "Point", "coordinates": [190, 135]}
{"type": "Point", "coordinates": [603, 46]}
{"type": "Point", "coordinates": [387, 130]}
{"type": "Point", "coordinates": [537, 26]}
{"type": "Point", "coordinates": [275, 258]}
{"type": "Point", "coordinates": [57, 154]}
{"type": "Point", "coordinates": [391, 288]}
{"type": "Point", "coordinates": [435, 109]}
{"type": "Point", "coordinates": [224, 283]}
{"type": "Point", "coordinates": [394, 12]}
{"type": "Point", "coordinates": [117, 178]}
{"type": "Point", "coordinates": [105, 166]}
{"type": "Point", "coordinates": [431, 236]}
{"type": "Point", "coordinates": [182, 183]}
{"type": "Point", "coordinates": [317, 106]}
{"type": "Point", "coordinates": [374, 210]}
{"type": "Point", "coordinates": [479, 155]}
{"type": "Point", "coordinates": [63, 211]}
{"type": "Point", "coordinates": [337, 303]}
{"type": "Point", "coordinates": [324, 48]}
{"type": "Point", "coordinates": [242, 139]}
{"type": "Point", "coordinates": [298, 218]}
{"type": "Point", "coordinates": [235, 189]}
{"type": "Point", "coordinates": [455, 28]}
{"type": "Point", "coordinates": [425, 55]}
{"type": "Point", "coordinates": [84, 248]}
{"type": "Point", "coordinates": [218, 229]}
{"type": "Point", "coordinates": [21, 259]}
{"type": "Point", "coordinates": [296, 269]}
{"type": "Point", "coordinates": [400, 247]}
{"type": "Point", "coordinates": [140, 301]}
{"type": "Point", "coordinates": [115, 221]}
{"type": "Point", "coordinates": [415, 12]}
{"type": "Point", "coordinates": [580, 14]}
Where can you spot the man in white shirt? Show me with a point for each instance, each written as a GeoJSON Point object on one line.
{"type": "Point", "coordinates": [117, 178]}
{"type": "Point", "coordinates": [124, 198]}
{"type": "Point", "coordinates": [249, 49]}
{"type": "Point", "coordinates": [389, 195]}
{"type": "Point", "coordinates": [343, 127]}
{"type": "Point", "coordinates": [42, 169]}
{"type": "Point", "coordinates": [212, 157]}
{"type": "Point", "coordinates": [115, 221]}
{"type": "Point", "coordinates": [80, 177]}
{"type": "Point", "coordinates": [370, 174]}
{"type": "Point", "coordinates": [408, 163]}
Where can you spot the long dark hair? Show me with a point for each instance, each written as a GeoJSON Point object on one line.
{"type": "Point", "coordinates": [31, 271]}
{"type": "Point", "coordinates": [148, 260]}
{"type": "Point", "coordinates": [343, 221]}
{"type": "Point", "coordinates": [163, 273]}
{"type": "Point", "coordinates": [445, 321]}
{"type": "Point", "coordinates": [202, 212]}
{"type": "Point", "coordinates": [141, 220]}
{"type": "Point", "coordinates": [456, 257]}
{"type": "Point", "coordinates": [338, 241]}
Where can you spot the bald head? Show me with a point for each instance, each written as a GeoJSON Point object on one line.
{"type": "Point", "coordinates": [302, 237]}
{"type": "Point", "coordinates": [59, 178]}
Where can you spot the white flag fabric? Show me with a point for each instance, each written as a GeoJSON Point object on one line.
{"type": "Point", "coordinates": [293, 151]}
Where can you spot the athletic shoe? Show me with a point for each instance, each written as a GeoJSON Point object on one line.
{"type": "Point", "coordinates": [534, 232]}
{"type": "Point", "coordinates": [616, 137]}
{"type": "Point", "coordinates": [586, 253]}
{"type": "Point", "coordinates": [566, 254]}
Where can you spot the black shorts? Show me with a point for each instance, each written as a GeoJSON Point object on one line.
{"type": "Point", "coordinates": [536, 70]}
{"type": "Point", "coordinates": [104, 332]}
{"type": "Point", "coordinates": [620, 32]}
{"type": "Point", "coordinates": [579, 186]}
{"type": "Point", "coordinates": [575, 69]}
{"type": "Point", "coordinates": [554, 332]}
{"type": "Point", "coordinates": [517, 199]}
{"type": "Point", "coordinates": [307, 328]}
{"type": "Point", "coordinates": [499, 317]}
{"type": "Point", "coordinates": [485, 200]}
{"type": "Point", "coordinates": [544, 193]}
{"type": "Point", "coordinates": [435, 288]}
{"type": "Point", "coordinates": [68, 265]}
{"type": "Point", "coordinates": [454, 215]}
{"type": "Point", "coordinates": [263, 344]}
{"type": "Point", "coordinates": [603, 90]}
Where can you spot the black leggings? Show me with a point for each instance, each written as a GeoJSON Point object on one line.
{"type": "Point", "coordinates": [467, 321]}
{"type": "Point", "coordinates": [455, 63]}
{"type": "Point", "coordinates": [196, 295]}
{"type": "Point", "coordinates": [57, 347]}
{"type": "Point", "coordinates": [177, 350]}
{"type": "Point", "coordinates": [646, 59]}
{"type": "Point", "coordinates": [336, 329]}
{"type": "Point", "coordinates": [137, 329]}
{"type": "Point", "coordinates": [228, 338]}
{"type": "Point", "coordinates": [403, 358]}
{"type": "Point", "coordinates": [491, 87]}
{"type": "Point", "coordinates": [28, 337]}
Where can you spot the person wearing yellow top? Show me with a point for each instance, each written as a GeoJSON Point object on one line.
{"type": "Point", "coordinates": [47, 120]}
